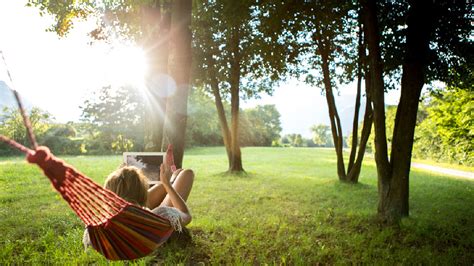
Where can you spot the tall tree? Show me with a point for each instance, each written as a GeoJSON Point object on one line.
{"type": "Point", "coordinates": [234, 61]}
{"type": "Point", "coordinates": [434, 33]}
{"type": "Point", "coordinates": [327, 35]}
{"type": "Point", "coordinates": [180, 68]}
{"type": "Point", "coordinates": [150, 24]}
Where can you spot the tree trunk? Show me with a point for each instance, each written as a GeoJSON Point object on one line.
{"type": "Point", "coordinates": [355, 123]}
{"type": "Point", "coordinates": [236, 162]}
{"type": "Point", "coordinates": [157, 21]}
{"type": "Point", "coordinates": [336, 128]}
{"type": "Point", "coordinates": [177, 104]}
{"type": "Point", "coordinates": [416, 56]}
{"type": "Point", "coordinates": [393, 176]}
{"type": "Point", "coordinates": [354, 172]}
{"type": "Point", "coordinates": [377, 96]}
{"type": "Point", "coordinates": [220, 110]}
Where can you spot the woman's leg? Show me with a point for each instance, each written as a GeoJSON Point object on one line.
{"type": "Point", "coordinates": [157, 193]}
{"type": "Point", "coordinates": [183, 185]}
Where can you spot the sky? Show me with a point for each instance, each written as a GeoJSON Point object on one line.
{"type": "Point", "coordinates": [58, 75]}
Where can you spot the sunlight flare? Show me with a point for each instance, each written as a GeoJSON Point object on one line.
{"type": "Point", "coordinates": [126, 65]}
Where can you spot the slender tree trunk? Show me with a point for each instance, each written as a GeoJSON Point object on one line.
{"type": "Point", "coordinates": [220, 110]}
{"type": "Point", "coordinates": [419, 24]}
{"type": "Point", "coordinates": [181, 70]}
{"type": "Point", "coordinates": [336, 128]}
{"type": "Point", "coordinates": [354, 172]}
{"type": "Point", "coordinates": [355, 123]}
{"type": "Point", "coordinates": [236, 163]}
{"type": "Point", "coordinates": [355, 163]}
{"type": "Point", "coordinates": [157, 21]}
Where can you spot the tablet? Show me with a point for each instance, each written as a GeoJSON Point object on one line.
{"type": "Point", "coordinates": [148, 162]}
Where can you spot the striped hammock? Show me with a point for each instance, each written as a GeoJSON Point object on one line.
{"type": "Point", "coordinates": [117, 229]}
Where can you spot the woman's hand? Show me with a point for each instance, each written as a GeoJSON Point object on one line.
{"type": "Point", "coordinates": [176, 200]}
{"type": "Point", "coordinates": [165, 174]}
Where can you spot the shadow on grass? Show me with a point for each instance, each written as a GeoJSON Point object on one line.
{"type": "Point", "coordinates": [357, 185]}
{"type": "Point", "coordinates": [183, 248]}
{"type": "Point", "coordinates": [235, 174]}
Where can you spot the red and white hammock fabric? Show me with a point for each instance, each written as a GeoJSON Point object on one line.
{"type": "Point", "coordinates": [118, 229]}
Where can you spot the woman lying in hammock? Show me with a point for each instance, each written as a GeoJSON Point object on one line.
{"type": "Point", "coordinates": [166, 199]}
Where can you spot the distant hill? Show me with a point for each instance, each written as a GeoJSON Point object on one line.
{"type": "Point", "coordinates": [7, 99]}
{"type": "Point", "coordinates": [6, 96]}
{"type": "Point", "coordinates": [346, 113]}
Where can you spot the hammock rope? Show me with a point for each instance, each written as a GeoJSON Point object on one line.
{"type": "Point", "coordinates": [117, 229]}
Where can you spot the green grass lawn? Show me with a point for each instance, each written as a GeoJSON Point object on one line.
{"type": "Point", "coordinates": [289, 209]}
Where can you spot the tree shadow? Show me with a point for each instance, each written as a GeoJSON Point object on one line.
{"type": "Point", "coordinates": [228, 174]}
{"type": "Point", "coordinates": [357, 185]}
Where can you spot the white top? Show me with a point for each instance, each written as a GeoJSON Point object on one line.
{"type": "Point", "coordinates": [170, 213]}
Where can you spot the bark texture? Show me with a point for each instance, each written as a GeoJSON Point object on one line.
{"type": "Point", "coordinates": [336, 129]}
{"type": "Point", "coordinates": [236, 156]}
{"type": "Point", "coordinates": [393, 174]}
{"type": "Point", "coordinates": [180, 69]}
{"type": "Point", "coordinates": [226, 135]}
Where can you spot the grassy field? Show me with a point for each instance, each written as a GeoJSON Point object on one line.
{"type": "Point", "coordinates": [289, 209]}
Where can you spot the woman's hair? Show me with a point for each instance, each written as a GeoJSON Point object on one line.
{"type": "Point", "coordinates": [129, 183]}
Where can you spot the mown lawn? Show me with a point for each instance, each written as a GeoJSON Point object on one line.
{"type": "Point", "coordinates": [289, 209]}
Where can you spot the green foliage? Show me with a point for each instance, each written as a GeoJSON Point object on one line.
{"type": "Point", "coordinates": [289, 210]}
{"type": "Point", "coordinates": [296, 140]}
{"type": "Point", "coordinates": [262, 61]}
{"type": "Point", "coordinates": [447, 131]}
{"type": "Point", "coordinates": [322, 136]}
{"type": "Point", "coordinates": [390, 113]}
{"type": "Point", "coordinates": [62, 139]}
{"type": "Point", "coordinates": [11, 126]}
{"type": "Point", "coordinates": [203, 127]}
{"type": "Point", "coordinates": [333, 29]}
{"type": "Point", "coordinates": [260, 126]}
{"type": "Point", "coordinates": [451, 53]}
{"type": "Point", "coordinates": [65, 12]}
{"type": "Point", "coordinates": [311, 28]}
{"type": "Point", "coordinates": [114, 122]}
{"type": "Point", "coordinates": [115, 18]}
{"type": "Point", "coordinates": [115, 117]}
